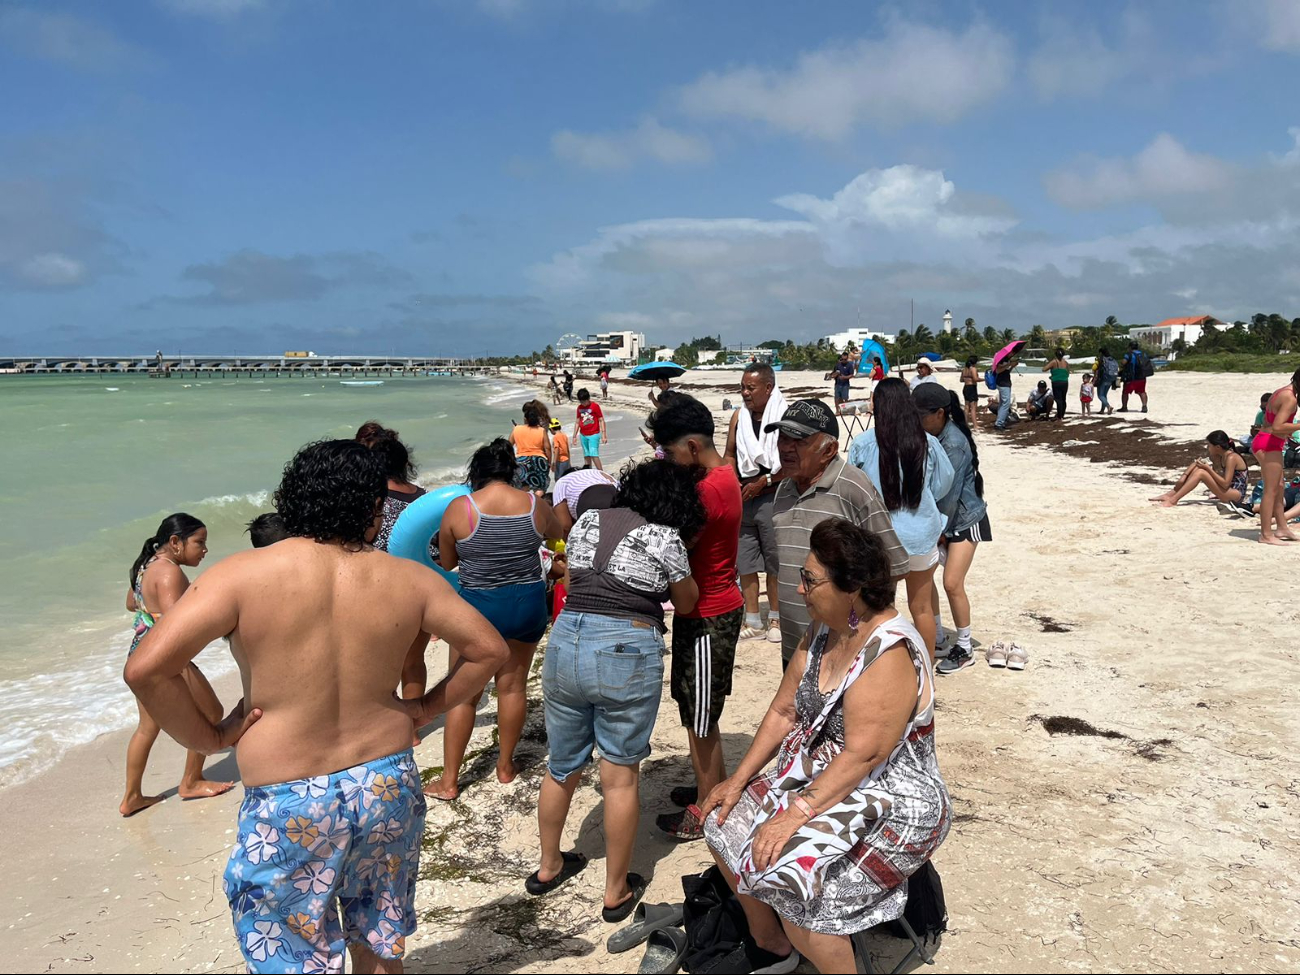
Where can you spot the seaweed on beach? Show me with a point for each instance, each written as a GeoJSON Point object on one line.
{"type": "Point", "coordinates": [1049, 625]}
{"type": "Point", "coordinates": [1059, 724]}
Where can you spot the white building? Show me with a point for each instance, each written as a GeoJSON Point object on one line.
{"type": "Point", "coordinates": [857, 336]}
{"type": "Point", "coordinates": [614, 347]}
{"type": "Point", "coordinates": [947, 321]}
{"type": "Point", "coordinates": [1167, 332]}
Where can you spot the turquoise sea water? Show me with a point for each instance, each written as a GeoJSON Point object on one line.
{"type": "Point", "coordinates": [92, 464]}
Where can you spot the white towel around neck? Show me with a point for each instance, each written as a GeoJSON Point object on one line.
{"type": "Point", "coordinates": [759, 450]}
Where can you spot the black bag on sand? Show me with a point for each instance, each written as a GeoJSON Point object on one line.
{"type": "Point", "coordinates": [926, 911]}
{"type": "Point", "coordinates": [715, 925]}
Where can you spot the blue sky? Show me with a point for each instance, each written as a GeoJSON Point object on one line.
{"type": "Point", "coordinates": [470, 176]}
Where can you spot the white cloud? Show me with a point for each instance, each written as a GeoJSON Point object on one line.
{"type": "Point", "coordinates": [904, 233]}
{"type": "Point", "coordinates": [1164, 168]}
{"type": "Point", "coordinates": [618, 150]}
{"type": "Point", "coordinates": [1281, 24]}
{"type": "Point", "coordinates": [67, 39]}
{"type": "Point", "coordinates": [900, 198]}
{"type": "Point", "coordinates": [1292, 156]}
{"type": "Point", "coordinates": [913, 72]}
{"type": "Point", "coordinates": [52, 271]}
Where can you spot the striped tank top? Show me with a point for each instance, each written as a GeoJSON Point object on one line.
{"type": "Point", "coordinates": [502, 550]}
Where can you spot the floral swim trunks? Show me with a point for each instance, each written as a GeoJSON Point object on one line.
{"type": "Point", "coordinates": [309, 851]}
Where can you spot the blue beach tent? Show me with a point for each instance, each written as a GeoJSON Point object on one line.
{"type": "Point", "coordinates": [870, 349]}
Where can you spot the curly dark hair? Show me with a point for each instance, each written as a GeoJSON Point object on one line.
{"type": "Point", "coordinates": [493, 461]}
{"type": "Point", "coordinates": [855, 561]}
{"type": "Point", "coordinates": [680, 416]}
{"type": "Point", "coordinates": [389, 446]}
{"type": "Point", "coordinates": [663, 493]}
{"type": "Point", "coordinates": [331, 491]}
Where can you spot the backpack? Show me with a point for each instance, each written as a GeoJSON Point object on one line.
{"type": "Point", "coordinates": [991, 379]}
{"type": "Point", "coordinates": [715, 922]}
{"type": "Point", "coordinates": [926, 910]}
{"type": "Point", "coordinates": [1145, 368]}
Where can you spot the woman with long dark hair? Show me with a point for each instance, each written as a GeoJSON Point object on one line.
{"type": "Point", "coordinates": [967, 517]}
{"type": "Point", "coordinates": [156, 582]}
{"type": "Point", "coordinates": [1107, 371]}
{"type": "Point", "coordinates": [603, 673]}
{"type": "Point", "coordinates": [1268, 447]}
{"type": "Point", "coordinates": [532, 444]}
{"type": "Point", "coordinates": [401, 469]}
{"type": "Point", "coordinates": [911, 471]}
{"type": "Point", "coordinates": [1224, 476]}
{"type": "Point", "coordinates": [494, 535]}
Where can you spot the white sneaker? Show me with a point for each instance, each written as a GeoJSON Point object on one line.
{"type": "Point", "coordinates": [748, 632]}
{"type": "Point", "coordinates": [774, 632]}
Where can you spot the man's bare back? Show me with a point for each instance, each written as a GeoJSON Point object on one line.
{"type": "Point", "coordinates": [319, 632]}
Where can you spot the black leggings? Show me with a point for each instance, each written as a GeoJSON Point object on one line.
{"type": "Point", "coordinates": [1058, 393]}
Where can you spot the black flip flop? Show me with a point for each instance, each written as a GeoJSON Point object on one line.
{"type": "Point", "coordinates": [646, 919]}
{"type": "Point", "coordinates": [613, 915]}
{"type": "Point", "coordinates": [574, 863]}
{"type": "Point", "coordinates": [664, 951]}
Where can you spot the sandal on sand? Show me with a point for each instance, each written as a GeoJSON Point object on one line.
{"type": "Point", "coordinates": [664, 952]}
{"type": "Point", "coordinates": [573, 865]}
{"type": "Point", "coordinates": [996, 655]}
{"type": "Point", "coordinates": [637, 884]}
{"type": "Point", "coordinates": [1017, 657]}
{"type": "Point", "coordinates": [685, 826]}
{"type": "Point", "coordinates": [646, 920]}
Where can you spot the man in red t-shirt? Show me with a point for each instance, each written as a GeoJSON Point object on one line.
{"type": "Point", "coordinates": [704, 640]}
{"type": "Point", "coordinates": [590, 428]}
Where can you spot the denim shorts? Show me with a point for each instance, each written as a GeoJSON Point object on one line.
{"type": "Point", "coordinates": [601, 683]}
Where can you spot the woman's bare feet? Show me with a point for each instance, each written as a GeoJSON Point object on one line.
{"type": "Point", "coordinates": [506, 771]}
{"type": "Point", "coordinates": [204, 789]}
{"type": "Point", "coordinates": [1168, 503]}
{"type": "Point", "coordinates": [1270, 540]}
{"type": "Point", "coordinates": [439, 789]}
{"type": "Point", "coordinates": [138, 803]}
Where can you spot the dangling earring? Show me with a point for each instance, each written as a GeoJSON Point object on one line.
{"type": "Point", "coordinates": [854, 619]}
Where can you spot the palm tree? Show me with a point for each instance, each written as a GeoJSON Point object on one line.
{"type": "Point", "coordinates": [923, 336]}
{"type": "Point", "coordinates": [1112, 323]}
{"type": "Point", "coordinates": [1008, 336]}
{"type": "Point", "coordinates": [990, 334]}
{"type": "Point", "coordinates": [1038, 337]}
{"type": "Point", "coordinates": [971, 333]}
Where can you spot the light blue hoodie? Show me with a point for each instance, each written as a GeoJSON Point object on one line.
{"type": "Point", "coordinates": [917, 528]}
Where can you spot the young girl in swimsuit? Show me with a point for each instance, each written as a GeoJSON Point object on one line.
{"type": "Point", "coordinates": [1268, 445]}
{"type": "Point", "coordinates": [970, 380]}
{"type": "Point", "coordinates": [1225, 475]}
{"type": "Point", "coordinates": [156, 583]}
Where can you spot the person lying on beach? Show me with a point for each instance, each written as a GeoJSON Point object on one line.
{"type": "Point", "coordinates": [158, 582]}
{"type": "Point", "coordinates": [1224, 474]}
{"type": "Point", "coordinates": [328, 842]}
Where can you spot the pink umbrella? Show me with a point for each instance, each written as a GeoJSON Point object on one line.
{"type": "Point", "coordinates": [1010, 350]}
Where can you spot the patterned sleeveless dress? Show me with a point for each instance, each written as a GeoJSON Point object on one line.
{"type": "Point", "coordinates": [847, 869]}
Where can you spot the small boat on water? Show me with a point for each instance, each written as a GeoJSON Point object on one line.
{"type": "Point", "coordinates": [361, 382]}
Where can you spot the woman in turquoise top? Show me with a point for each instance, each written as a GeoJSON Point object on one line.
{"type": "Point", "coordinates": [911, 470]}
{"type": "Point", "coordinates": [1059, 367]}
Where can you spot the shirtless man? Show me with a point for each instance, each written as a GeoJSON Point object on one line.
{"type": "Point", "coordinates": [329, 832]}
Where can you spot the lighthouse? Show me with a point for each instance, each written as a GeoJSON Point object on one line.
{"type": "Point", "coordinates": [947, 322]}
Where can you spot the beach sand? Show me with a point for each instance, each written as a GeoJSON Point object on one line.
{"type": "Point", "coordinates": [1128, 803]}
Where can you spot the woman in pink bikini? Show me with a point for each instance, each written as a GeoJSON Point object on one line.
{"type": "Point", "coordinates": [1268, 446]}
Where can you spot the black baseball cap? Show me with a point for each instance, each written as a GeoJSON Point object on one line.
{"type": "Point", "coordinates": [929, 397]}
{"type": "Point", "coordinates": [804, 418]}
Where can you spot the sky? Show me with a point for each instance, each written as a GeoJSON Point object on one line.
{"type": "Point", "coordinates": [467, 177]}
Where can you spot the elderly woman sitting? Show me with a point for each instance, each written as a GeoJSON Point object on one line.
{"type": "Point", "coordinates": [820, 846]}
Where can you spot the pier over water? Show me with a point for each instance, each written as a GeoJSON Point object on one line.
{"type": "Point", "coordinates": [165, 366]}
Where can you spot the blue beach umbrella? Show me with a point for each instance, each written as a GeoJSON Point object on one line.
{"type": "Point", "coordinates": [870, 349]}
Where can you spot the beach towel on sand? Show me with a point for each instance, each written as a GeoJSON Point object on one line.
{"type": "Point", "coordinates": [759, 450]}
